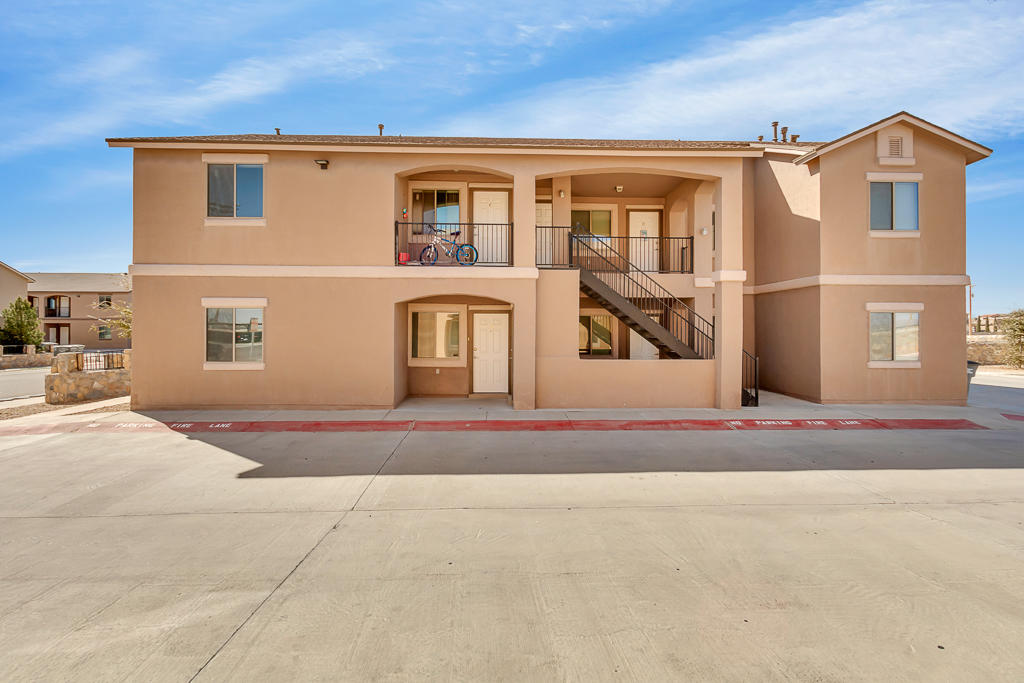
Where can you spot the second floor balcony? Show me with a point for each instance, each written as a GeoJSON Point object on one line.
{"type": "Point", "coordinates": [453, 244]}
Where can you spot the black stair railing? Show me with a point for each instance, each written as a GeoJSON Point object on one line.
{"type": "Point", "coordinates": [681, 321]}
{"type": "Point", "coordinates": [751, 379]}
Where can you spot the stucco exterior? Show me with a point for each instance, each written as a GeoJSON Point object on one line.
{"type": "Point", "coordinates": [82, 293]}
{"type": "Point", "coordinates": [780, 263]}
{"type": "Point", "coordinates": [13, 285]}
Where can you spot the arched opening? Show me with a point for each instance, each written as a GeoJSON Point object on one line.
{"type": "Point", "coordinates": [446, 206]}
{"type": "Point", "coordinates": [453, 345]}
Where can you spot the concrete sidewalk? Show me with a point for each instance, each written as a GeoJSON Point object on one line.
{"type": "Point", "coordinates": [576, 555]}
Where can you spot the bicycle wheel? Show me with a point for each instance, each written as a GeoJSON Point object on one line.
{"type": "Point", "coordinates": [466, 255]}
{"type": "Point", "coordinates": [428, 256]}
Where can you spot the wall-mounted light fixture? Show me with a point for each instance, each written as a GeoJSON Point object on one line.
{"type": "Point", "coordinates": [322, 163]}
{"type": "Point", "coordinates": [618, 188]}
{"type": "Point", "coordinates": [561, 194]}
{"type": "Point", "coordinates": [703, 231]}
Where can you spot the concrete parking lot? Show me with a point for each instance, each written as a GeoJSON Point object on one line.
{"type": "Point", "coordinates": [514, 555]}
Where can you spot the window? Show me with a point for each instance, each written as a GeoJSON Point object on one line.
{"type": "Point", "coordinates": [58, 307]}
{"type": "Point", "coordinates": [234, 335]}
{"type": "Point", "coordinates": [596, 222]}
{"type": "Point", "coordinates": [435, 334]}
{"type": "Point", "coordinates": [595, 333]}
{"type": "Point", "coordinates": [104, 301]}
{"type": "Point", "coordinates": [234, 191]}
{"type": "Point", "coordinates": [894, 336]}
{"type": "Point", "coordinates": [434, 206]}
{"type": "Point", "coordinates": [104, 332]}
{"type": "Point", "coordinates": [893, 206]}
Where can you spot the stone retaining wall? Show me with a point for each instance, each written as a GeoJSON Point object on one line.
{"type": "Point", "coordinates": [67, 384]}
{"type": "Point", "coordinates": [987, 349]}
{"type": "Point", "coordinates": [29, 359]}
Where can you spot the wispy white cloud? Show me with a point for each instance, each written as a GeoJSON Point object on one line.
{"type": "Point", "coordinates": [942, 60]}
{"type": "Point", "coordinates": [125, 89]}
{"type": "Point", "coordinates": [994, 189]}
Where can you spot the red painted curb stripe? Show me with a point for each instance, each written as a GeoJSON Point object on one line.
{"type": "Point", "coordinates": [1011, 416]}
{"type": "Point", "coordinates": [487, 426]}
{"type": "Point", "coordinates": [930, 424]}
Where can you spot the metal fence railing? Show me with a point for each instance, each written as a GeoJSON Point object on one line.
{"type": "Point", "coordinates": [12, 349]}
{"type": "Point", "coordinates": [493, 242]}
{"type": "Point", "coordinates": [645, 293]}
{"type": "Point", "coordinates": [99, 361]}
{"type": "Point", "coordinates": [644, 254]}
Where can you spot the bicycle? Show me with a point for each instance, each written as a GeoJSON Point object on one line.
{"type": "Point", "coordinates": [464, 254]}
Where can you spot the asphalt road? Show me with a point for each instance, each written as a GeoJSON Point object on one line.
{"type": "Point", "coordinates": [21, 382]}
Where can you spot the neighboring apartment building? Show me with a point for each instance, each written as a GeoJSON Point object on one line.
{"type": "Point", "coordinates": [289, 270]}
{"type": "Point", "coordinates": [13, 285]}
{"type": "Point", "coordinates": [71, 304]}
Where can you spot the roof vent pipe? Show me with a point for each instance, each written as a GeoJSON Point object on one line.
{"type": "Point", "coordinates": [785, 129]}
{"type": "Point", "coordinates": [380, 128]}
{"type": "Point", "coordinates": [793, 137]}
{"type": "Point", "coordinates": [277, 131]}
{"type": "Point", "coordinates": [760, 138]}
{"type": "Point", "coordinates": [775, 131]}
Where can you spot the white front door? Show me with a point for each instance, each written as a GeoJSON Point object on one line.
{"type": "Point", "coordinates": [491, 241]}
{"type": "Point", "coordinates": [643, 253]}
{"type": "Point", "coordinates": [640, 348]}
{"type": "Point", "coordinates": [490, 353]}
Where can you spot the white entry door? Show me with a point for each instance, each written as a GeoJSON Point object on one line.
{"type": "Point", "coordinates": [643, 253]}
{"type": "Point", "coordinates": [490, 353]}
{"type": "Point", "coordinates": [640, 348]}
{"type": "Point", "coordinates": [491, 241]}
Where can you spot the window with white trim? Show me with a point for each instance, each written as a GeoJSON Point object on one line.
{"type": "Point", "coordinates": [234, 190]}
{"type": "Point", "coordinates": [894, 206]}
{"type": "Point", "coordinates": [894, 336]}
{"type": "Point", "coordinates": [103, 332]}
{"type": "Point", "coordinates": [234, 335]}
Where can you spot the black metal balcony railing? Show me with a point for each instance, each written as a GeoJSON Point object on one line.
{"type": "Point", "coordinates": [62, 312]}
{"type": "Point", "coordinates": [644, 254]}
{"type": "Point", "coordinates": [493, 242]}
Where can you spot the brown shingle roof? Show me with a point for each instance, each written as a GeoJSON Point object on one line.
{"type": "Point", "coordinates": [80, 282]}
{"type": "Point", "coordinates": [432, 141]}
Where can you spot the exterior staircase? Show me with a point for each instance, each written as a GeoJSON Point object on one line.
{"type": "Point", "coordinates": [647, 308]}
{"type": "Point", "coordinates": [636, 299]}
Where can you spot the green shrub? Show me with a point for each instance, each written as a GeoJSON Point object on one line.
{"type": "Point", "coordinates": [20, 324]}
{"type": "Point", "coordinates": [1013, 327]}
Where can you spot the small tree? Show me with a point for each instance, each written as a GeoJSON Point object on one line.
{"type": "Point", "coordinates": [1013, 327]}
{"type": "Point", "coordinates": [120, 318]}
{"type": "Point", "coordinates": [21, 324]}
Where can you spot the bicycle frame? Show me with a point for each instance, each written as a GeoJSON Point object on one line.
{"type": "Point", "coordinates": [443, 242]}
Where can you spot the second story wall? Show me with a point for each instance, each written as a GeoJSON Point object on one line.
{"type": "Point", "coordinates": [850, 247]}
{"type": "Point", "coordinates": [787, 219]}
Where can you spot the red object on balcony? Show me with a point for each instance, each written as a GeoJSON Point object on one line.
{"type": "Point", "coordinates": [403, 258]}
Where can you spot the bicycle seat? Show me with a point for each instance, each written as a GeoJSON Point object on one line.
{"type": "Point", "coordinates": [456, 233]}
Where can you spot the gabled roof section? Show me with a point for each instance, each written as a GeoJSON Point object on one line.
{"type": "Point", "coordinates": [81, 282]}
{"type": "Point", "coordinates": [974, 151]}
{"type": "Point", "coordinates": [16, 272]}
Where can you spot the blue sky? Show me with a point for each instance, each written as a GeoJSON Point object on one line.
{"type": "Point", "coordinates": [73, 73]}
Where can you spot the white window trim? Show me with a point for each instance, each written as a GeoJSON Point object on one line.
{"type": "Point", "coordinates": [888, 307]}
{"type": "Point", "coordinates": [228, 365]}
{"type": "Point", "coordinates": [461, 310]}
{"type": "Point", "coordinates": [895, 308]}
{"type": "Point", "coordinates": [234, 221]}
{"type": "Point", "coordinates": [463, 189]}
{"type": "Point", "coordinates": [896, 161]}
{"type": "Point", "coordinates": [894, 177]}
{"type": "Point", "coordinates": [587, 206]}
{"type": "Point", "coordinates": [894, 364]}
{"type": "Point", "coordinates": [892, 233]}
{"type": "Point", "coordinates": [234, 302]}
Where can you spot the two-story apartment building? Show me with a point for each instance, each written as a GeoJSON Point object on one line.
{"type": "Point", "coordinates": [13, 285]}
{"type": "Point", "coordinates": [71, 305]}
{"type": "Point", "coordinates": [352, 271]}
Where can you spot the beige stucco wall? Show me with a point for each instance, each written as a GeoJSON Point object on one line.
{"type": "Point", "coordinates": [564, 380]}
{"type": "Point", "coordinates": [12, 286]}
{"type": "Point", "coordinates": [349, 358]}
{"type": "Point", "coordinates": [84, 317]}
{"type": "Point", "coordinates": [789, 341]}
{"type": "Point", "coordinates": [845, 377]}
{"type": "Point", "coordinates": [847, 246]}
